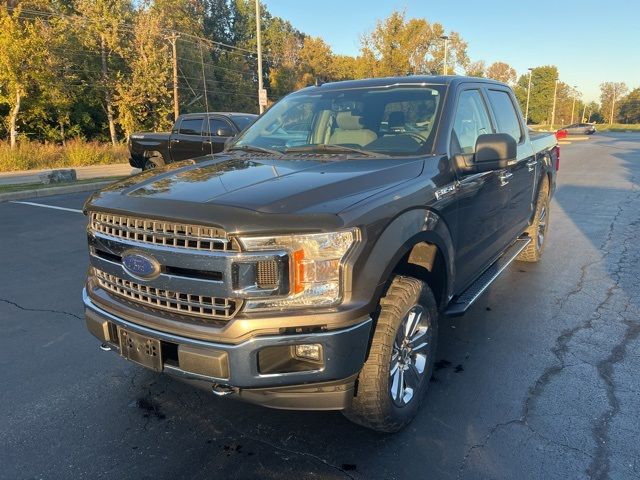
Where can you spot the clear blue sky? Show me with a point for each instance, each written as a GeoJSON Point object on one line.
{"type": "Point", "coordinates": [590, 41]}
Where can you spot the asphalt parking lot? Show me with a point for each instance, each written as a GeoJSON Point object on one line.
{"type": "Point", "coordinates": [539, 380]}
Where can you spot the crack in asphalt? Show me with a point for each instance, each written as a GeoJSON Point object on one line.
{"type": "Point", "coordinates": [600, 466]}
{"type": "Point", "coordinates": [600, 461]}
{"type": "Point", "coordinates": [45, 310]}
{"type": "Point", "coordinates": [288, 450]}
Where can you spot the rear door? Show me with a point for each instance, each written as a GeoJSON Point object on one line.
{"type": "Point", "coordinates": [186, 142]}
{"type": "Point", "coordinates": [521, 174]}
{"type": "Point", "coordinates": [482, 197]}
{"type": "Point", "coordinates": [217, 132]}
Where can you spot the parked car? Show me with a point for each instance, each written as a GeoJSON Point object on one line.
{"type": "Point", "coordinates": [307, 266]}
{"type": "Point", "coordinates": [580, 129]}
{"type": "Point", "coordinates": [193, 135]}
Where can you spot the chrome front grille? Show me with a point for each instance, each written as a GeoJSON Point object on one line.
{"type": "Point", "coordinates": [160, 232]}
{"type": "Point", "coordinates": [202, 306]}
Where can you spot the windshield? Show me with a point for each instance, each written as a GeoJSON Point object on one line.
{"type": "Point", "coordinates": [391, 121]}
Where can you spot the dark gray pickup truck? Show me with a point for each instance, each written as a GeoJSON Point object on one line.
{"type": "Point", "coordinates": [307, 265]}
{"type": "Point", "coordinates": [193, 135]}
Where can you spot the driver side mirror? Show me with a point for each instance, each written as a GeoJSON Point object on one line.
{"type": "Point", "coordinates": [224, 132]}
{"type": "Point", "coordinates": [493, 151]}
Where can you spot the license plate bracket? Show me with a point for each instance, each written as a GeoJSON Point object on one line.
{"type": "Point", "coordinates": [140, 349]}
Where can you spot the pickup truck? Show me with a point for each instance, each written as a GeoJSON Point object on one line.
{"type": "Point", "coordinates": [193, 135]}
{"type": "Point", "coordinates": [307, 265]}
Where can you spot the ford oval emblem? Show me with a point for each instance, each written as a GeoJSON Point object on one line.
{"type": "Point", "coordinates": [140, 265]}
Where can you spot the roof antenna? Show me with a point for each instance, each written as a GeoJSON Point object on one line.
{"type": "Point", "coordinates": [206, 100]}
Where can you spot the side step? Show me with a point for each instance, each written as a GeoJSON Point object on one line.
{"type": "Point", "coordinates": [462, 302]}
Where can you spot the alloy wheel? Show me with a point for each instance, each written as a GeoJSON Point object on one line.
{"type": "Point", "coordinates": [409, 356]}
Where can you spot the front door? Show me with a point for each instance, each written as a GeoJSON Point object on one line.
{"type": "Point", "coordinates": [482, 197]}
{"type": "Point", "coordinates": [187, 141]}
{"type": "Point", "coordinates": [218, 132]}
{"type": "Point", "coordinates": [522, 173]}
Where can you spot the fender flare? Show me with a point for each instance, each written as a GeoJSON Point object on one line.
{"type": "Point", "coordinates": [397, 239]}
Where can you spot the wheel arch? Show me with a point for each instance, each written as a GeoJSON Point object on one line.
{"type": "Point", "coordinates": [417, 241]}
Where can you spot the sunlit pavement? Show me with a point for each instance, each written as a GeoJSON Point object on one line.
{"type": "Point", "coordinates": [538, 380]}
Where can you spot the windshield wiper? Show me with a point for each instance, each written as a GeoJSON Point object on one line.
{"type": "Point", "coordinates": [254, 148]}
{"type": "Point", "coordinates": [329, 148]}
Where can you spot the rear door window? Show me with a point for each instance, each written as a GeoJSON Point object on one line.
{"type": "Point", "coordinates": [471, 120]}
{"type": "Point", "coordinates": [191, 126]}
{"type": "Point", "coordinates": [505, 113]}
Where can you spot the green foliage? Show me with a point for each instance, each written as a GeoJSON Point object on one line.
{"type": "Point", "coordinates": [610, 95]}
{"type": "Point", "coordinates": [77, 153]}
{"type": "Point", "coordinates": [630, 107]}
{"type": "Point", "coordinates": [398, 46]}
{"type": "Point", "coordinates": [542, 90]}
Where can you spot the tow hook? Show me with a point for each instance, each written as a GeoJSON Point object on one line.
{"type": "Point", "coordinates": [221, 390]}
{"type": "Point", "coordinates": [105, 348]}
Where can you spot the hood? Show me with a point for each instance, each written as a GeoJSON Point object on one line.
{"type": "Point", "coordinates": [266, 184]}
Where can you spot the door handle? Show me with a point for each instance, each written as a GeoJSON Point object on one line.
{"type": "Point", "coordinates": [531, 165]}
{"type": "Point", "coordinates": [207, 142]}
{"type": "Point", "coordinates": [504, 178]}
{"type": "Point", "coordinates": [175, 141]}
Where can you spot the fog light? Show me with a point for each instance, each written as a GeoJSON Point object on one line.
{"type": "Point", "coordinates": [311, 351]}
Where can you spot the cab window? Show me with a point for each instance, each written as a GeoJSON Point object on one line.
{"type": "Point", "coordinates": [471, 120]}
{"type": "Point", "coordinates": [505, 112]}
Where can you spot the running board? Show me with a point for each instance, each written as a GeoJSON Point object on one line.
{"type": "Point", "coordinates": [462, 302]}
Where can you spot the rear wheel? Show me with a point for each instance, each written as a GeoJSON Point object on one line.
{"type": "Point", "coordinates": [153, 162]}
{"type": "Point", "coordinates": [396, 375]}
{"type": "Point", "coordinates": [538, 229]}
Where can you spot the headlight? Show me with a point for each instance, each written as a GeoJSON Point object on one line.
{"type": "Point", "coordinates": [315, 267]}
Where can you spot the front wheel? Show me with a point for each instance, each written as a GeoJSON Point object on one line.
{"type": "Point", "coordinates": [396, 375]}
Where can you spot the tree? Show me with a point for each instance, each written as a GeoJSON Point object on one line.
{"type": "Point", "coordinates": [102, 24]}
{"type": "Point", "coordinates": [630, 107]}
{"type": "Point", "coordinates": [610, 94]}
{"type": "Point", "coordinates": [501, 72]}
{"type": "Point", "coordinates": [543, 81]}
{"type": "Point", "coordinates": [143, 96]}
{"type": "Point", "coordinates": [476, 69]}
{"type": "Point", "coordinates": [23, 61]}
{"type": "Point", "coordinates": [398, 46]}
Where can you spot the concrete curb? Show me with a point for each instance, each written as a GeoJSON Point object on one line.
{"type": "Point", "coordinates": [47, 192]}
{"type": "Point", "coordinates": [66, 174]}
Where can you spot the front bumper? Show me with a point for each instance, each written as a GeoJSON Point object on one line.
{"type": "Point", "coordinates": [236, 365]}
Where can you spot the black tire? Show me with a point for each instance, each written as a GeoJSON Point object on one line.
{"type": "Point", "coordinates": [537, 231]}
{"type": "Point", "coordinates": [153, 162]}
{"type": "Point", "coordinates": [374, 405]}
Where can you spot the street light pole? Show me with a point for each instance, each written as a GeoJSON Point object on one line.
{"type": "Point", "coordinates": [260, 86]}
{"type": "Point", "coordinates": [573, 106]}
{"type": "Point", "coordinates": [584, 110]}
{"type": "Point", "coordinates": [526, 114]}
{"type": "Point", "coordinates": [446, 44]}
{"type": "Point", "coordinates": [613, 104]}
{"type": "Point", "coordinates": [553, 110]}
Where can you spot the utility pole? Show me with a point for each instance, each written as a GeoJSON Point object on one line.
{"type": "Point", "coordinates": [553, 110]}
{"type": "Point", "coordinates": [613, 104]}
{"type": "Point", "coordinates": [526, 115]}
{"type": "Point", "coordinates": [262, 100]}
{"type": "Point", "coordinates": [573, 106]}
{"type": "Point", "coordinates": [584, 110]}
{"type": "Point", "coordinates": [446, 44]}
{"type": "Point", "coordinates": [176, 100]}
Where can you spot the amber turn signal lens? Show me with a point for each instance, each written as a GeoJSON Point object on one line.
{"type": "Point", "coordinates": [298, 271]}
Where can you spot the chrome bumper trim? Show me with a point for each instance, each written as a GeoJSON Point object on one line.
{"type": "Point", "coordinates": [344, 349]}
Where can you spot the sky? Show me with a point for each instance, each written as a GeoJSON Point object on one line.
{"type": "Point", "coordinates": [589, 41]}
